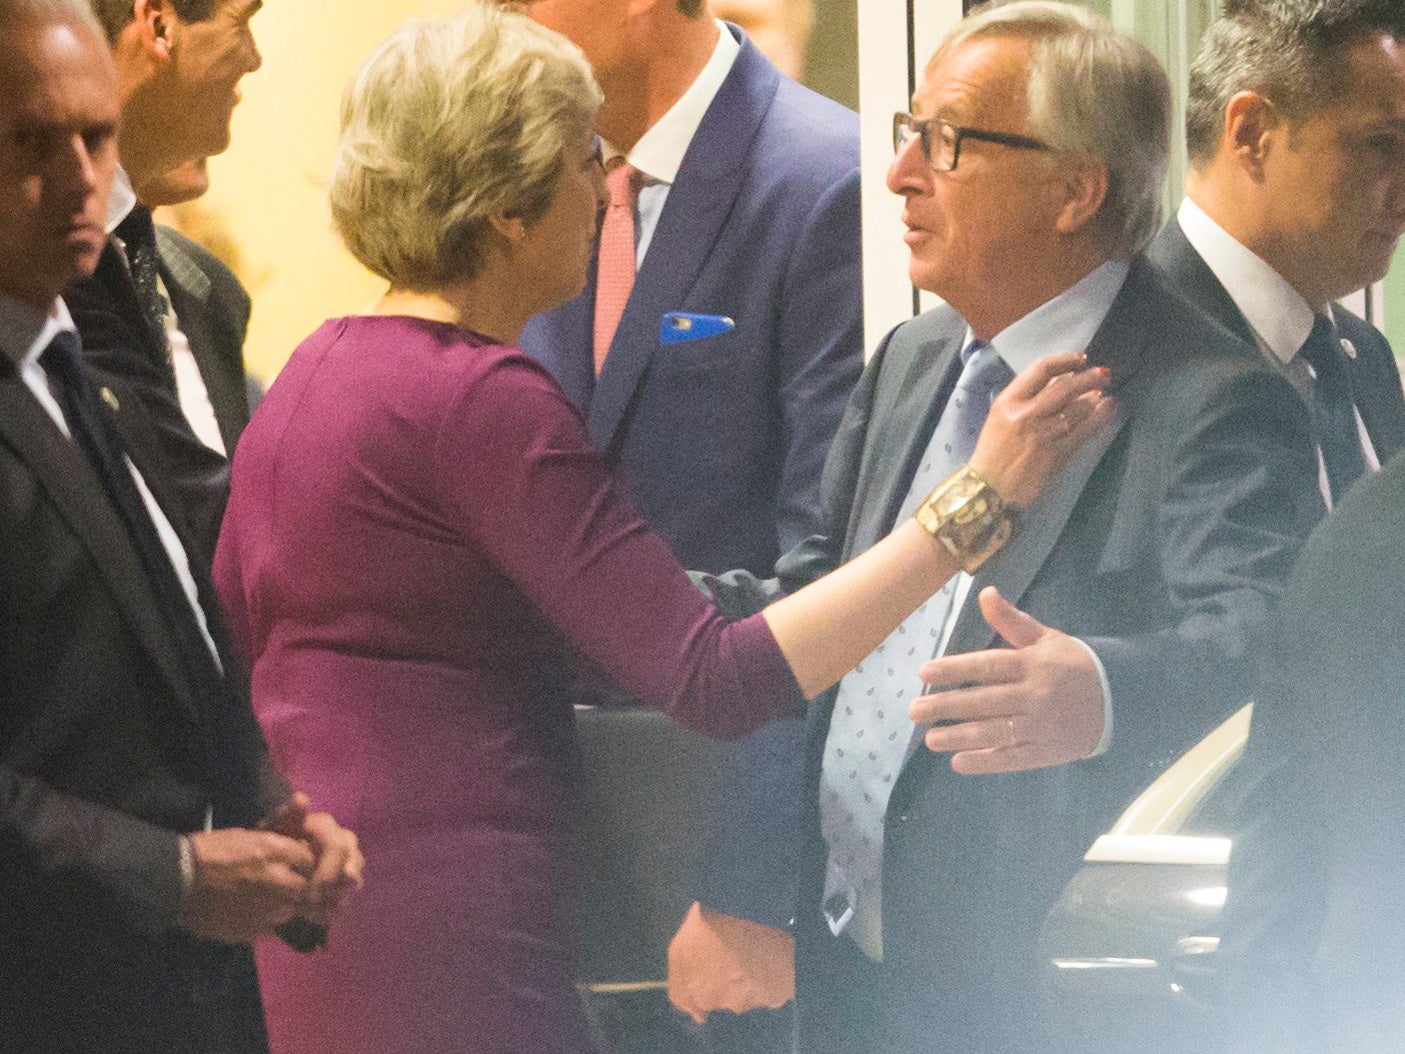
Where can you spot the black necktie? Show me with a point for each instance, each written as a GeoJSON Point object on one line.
{"type": "Point", "coordinates": [96, 435]}
{"type": "Point", "coordinates": [1333, 408]}
{"type": "Point", "coordinates": [138, 236]}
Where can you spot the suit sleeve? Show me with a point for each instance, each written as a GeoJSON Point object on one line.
{"type": "Point", "coordinates": [1239, 498]}
{"type": "Point", "coordinates": [820, 352]}
{"type": "Point", "coordinates": [750, 863]}
{"type": "Point", "coordinates": [54, 843]}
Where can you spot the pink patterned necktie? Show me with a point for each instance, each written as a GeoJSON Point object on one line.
{"type": "Point", "coordinates": [615, 270]}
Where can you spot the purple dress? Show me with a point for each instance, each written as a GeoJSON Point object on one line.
{"type": "Point", "coordinates": [421, 546]}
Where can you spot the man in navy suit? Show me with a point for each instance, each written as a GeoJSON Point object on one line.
{"type": "Point", "coordinates": [746, 206]}
{"type": "Point", "coordinates": [1125, 616]}
{"type": "Point", "coordinates": [1296, 196]}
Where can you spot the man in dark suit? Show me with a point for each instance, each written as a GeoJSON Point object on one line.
{"type": "Point", "coordinates": [206, 320]}
{"type": "Point", "coordinates": [1294, 199]}
{"type": "Point", "coordinates": [144, 836]}
{"type": "Point", "coordinates": [746, 206]}
{"type": "Point", "coordinates": [1315, 920]}
{"type": "Point", "coordinates": [1142, 579]}
{"type": "Point", "coordinates": [180, 63]}
{"type": "Point", "coordinates": [1296, 130]}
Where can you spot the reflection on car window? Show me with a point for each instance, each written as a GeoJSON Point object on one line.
{"type": "Point", "coordinates": [1222, 811]}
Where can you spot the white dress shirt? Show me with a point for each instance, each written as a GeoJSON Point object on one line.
{"type": "Point", "coordinates": [659, 153]}
{"type": "Point", "coordinates": [1278, 316]}
{"type": "Point", "coordinates": [24, 335]}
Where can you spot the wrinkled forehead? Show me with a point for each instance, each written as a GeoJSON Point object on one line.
{"type": "Point", "coordinates": [977, 81]}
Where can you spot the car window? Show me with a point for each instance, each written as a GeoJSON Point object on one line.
{"type": "Point", "coordinates": [1223, 809]}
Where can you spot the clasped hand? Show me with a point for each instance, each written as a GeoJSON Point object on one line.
{"type": "Point", "coordinates": [248, 882]}
{"type": "Point", "coordinates": [720, 962]}
{"type": "Point", "coordinates": [1034, 704]}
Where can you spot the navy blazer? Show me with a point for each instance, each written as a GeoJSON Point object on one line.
{"type": "Point", "coordinates": [1375, 377]}
{"type": "Point", "coordinates": [1163, 545]}
{"type": "Point", "coordinates": [721, 441]}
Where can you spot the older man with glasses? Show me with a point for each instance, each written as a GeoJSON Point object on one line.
{"type": "Point", "coordinates": [958, 775]}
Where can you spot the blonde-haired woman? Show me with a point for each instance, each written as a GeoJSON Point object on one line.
{"type": "Point", "coordinates": [421, 545]}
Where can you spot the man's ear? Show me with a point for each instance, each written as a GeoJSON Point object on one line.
{"type": "Point", "coordinates": [1250, 122]}
{"type": "Point", "coordinates": [1083, 183]}
{"type": "Point", "coordinates": [512, 229]}
{"type": "Point", "coordinates": [152, 26]}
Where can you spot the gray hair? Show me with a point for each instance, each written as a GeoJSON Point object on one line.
{"type": "Point", "coordinates": [449, 122]}
{"type": "Point", "coordinates": [1290, 51]}
{"type": "Point", "coordinates": [1094, 91]}
{"type": "Point", "coordinates": [78, 12]}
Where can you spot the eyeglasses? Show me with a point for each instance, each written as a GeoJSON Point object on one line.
{"type": "Point", "coordinates": [941, 140]}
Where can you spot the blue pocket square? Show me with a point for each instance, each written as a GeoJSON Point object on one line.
{"type": "Point", "coordinates": [680, 326]}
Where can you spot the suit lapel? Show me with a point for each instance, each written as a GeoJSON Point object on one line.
{"type": "Point", "coordinates": [1173, 253]}
{"type": "Point", "coordinates": [190, 291]}
{"type": "Point", "coordinates": [1375, 386]}
{"type": "Point", "coordinates": [1118, 344]}
{"type": "Point", "coordinates": [905, 413]}
{"type": "Point", "coordinates": [83, 504]}
{"type": "Point", "coordinates": [711, 176]}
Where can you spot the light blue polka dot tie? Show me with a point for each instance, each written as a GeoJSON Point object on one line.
{"type": "Point", "coordinates": [870, 731]}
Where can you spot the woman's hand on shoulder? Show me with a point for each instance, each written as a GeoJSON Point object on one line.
{"type": "Point", "coordinates": [1045, 414]}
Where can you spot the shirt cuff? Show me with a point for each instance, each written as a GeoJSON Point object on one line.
{"type": "Point", "coordinates": [1106, 740]}
{"type": "Point", "coordinates": [186, 849]}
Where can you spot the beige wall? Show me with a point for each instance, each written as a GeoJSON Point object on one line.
{"type": "Point", "coordinates": [268, 190]}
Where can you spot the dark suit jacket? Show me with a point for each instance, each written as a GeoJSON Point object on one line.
{"type": "Point", "coordinates": [1315, 921]}
{"type": "Point", "coordinates": [1162, 546]}
{"type": "Point", "coordinates": [721, 441]}
{"type": "Point", "coordinates": [1375, 377]}
{"type": "Point", "coordinates": [120, 349]}
{"type": "Point", "coordinates": [213, 310]}
{"type": "Point", "coordinates": [95, 778]}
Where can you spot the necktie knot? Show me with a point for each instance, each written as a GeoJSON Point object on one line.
{"type": "Point", "coordinates": [63, 359]}
{"type": "Point", "coordinates": [1322, 350]}
{"type": "Point", "coordinates": [620, 182]}
{"type": "Point", "coordinates": [137, 230]}
{"type": "Point", "coordinates": [984, 371]}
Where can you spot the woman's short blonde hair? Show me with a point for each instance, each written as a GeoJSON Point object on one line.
{"type": "Point", "coordinates": [448, 122]}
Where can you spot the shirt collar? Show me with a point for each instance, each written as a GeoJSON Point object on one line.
{"type": "Point", "coordinates": [659, 152]}
{"type": "Point", "coordinates": [1277, 313]}
{"type": "Point", "coordinates": [1068, 322]}
{"type": "Point", "coordinates": [25, 331]}
{"type": "Point", "coordinates": [121, 201]}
